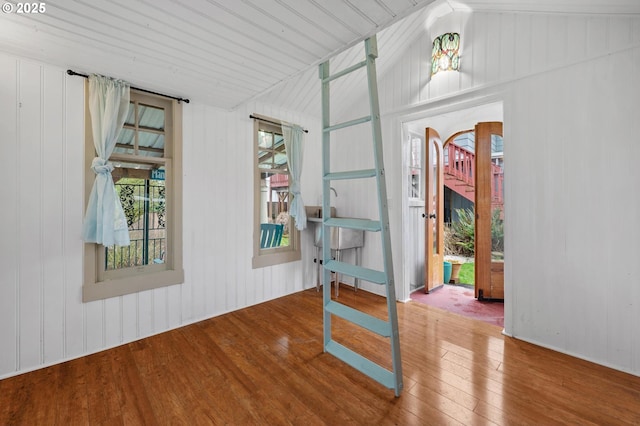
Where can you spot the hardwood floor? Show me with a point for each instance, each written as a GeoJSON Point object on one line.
{"type": "Point", "coordinates": [265, 365]}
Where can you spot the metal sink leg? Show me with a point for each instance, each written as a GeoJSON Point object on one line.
{"type": "Point", "coordinates": [337, 275]}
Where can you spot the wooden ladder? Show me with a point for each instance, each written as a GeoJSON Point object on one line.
{"type": "Point", "coordinates": [389, 328]}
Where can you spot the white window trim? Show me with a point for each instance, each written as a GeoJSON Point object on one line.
{"type": "Point", "coordinates": [273, 256]}
{"type": "Point", "coordinates": [133, 280]}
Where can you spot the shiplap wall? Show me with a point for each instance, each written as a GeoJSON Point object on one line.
{"type": "Point", "coordinates": [413, 254]}
{"type": "Point", "coordinates": [42, 317]}
{"type": "Point", "coordinates": [571, 92]}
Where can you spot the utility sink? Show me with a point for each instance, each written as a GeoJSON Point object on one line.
{"type": "Point", "coordinates": [341, 238]}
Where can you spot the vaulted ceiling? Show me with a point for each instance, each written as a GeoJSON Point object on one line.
{"type": "Point", "coordinates": [221, 52]}
{"type": "Point", "coordinates": [225, 52]}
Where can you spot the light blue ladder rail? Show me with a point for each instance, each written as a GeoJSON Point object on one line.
{"type": "Point", "coordinates": [389, 328]}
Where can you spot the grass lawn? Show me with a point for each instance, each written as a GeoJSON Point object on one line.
{"type": "Point", "coordinates": [467, 273]}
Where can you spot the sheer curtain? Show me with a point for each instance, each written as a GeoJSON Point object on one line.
{"type": "Point", "coordinates": [293, 143]}
{"type": "Point", "coordinates": [104, 221]}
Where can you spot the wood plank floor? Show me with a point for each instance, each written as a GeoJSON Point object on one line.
{"type": "Point", "coordinates": [265, 365]}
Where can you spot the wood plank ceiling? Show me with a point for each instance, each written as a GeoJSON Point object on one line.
{"type": "Point", "coordinates": [221, 52]}
{"type": "Point", "coordinates": [225, 52]}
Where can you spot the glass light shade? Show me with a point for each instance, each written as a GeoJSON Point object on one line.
{"type": "Point", "coordinates": [444, 54]}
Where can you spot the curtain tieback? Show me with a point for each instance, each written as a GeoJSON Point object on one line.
{"type": "Point", "coordinates": [294, 187]}
{"type": "Point", "coordinates": [101, 166]}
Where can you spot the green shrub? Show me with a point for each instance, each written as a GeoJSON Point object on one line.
{"type": "Point", "coordinates": [464, 232]}
{"type": "Point", "coordinates": [460, 235]}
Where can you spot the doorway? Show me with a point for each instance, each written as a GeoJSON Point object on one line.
{"type": "Point", "coordinates": [440, 153]}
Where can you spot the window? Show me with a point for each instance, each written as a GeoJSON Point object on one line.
{"type": "Point", "coordinates": [276, 239]}
{"type": "Point", "coordinates": [415, 167]}
{"type": "Point", "coordinates": [147, 176]}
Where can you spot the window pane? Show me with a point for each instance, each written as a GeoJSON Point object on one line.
{"type": "Point", "coordinates": [131, 115]}
{"type": "Point", "coordinates": [144, 204]}
{"type": "Point", "coordinates": [150, 144]}
{"type": "Point", "coordinates": [280, 159]}
{"type": "Point", "coordinates": [433, 173]}
{"type": "Point", "coordinates": [265, 160]}
{"type": "Point", "coordinates": [414, 186]}
{"type": "Point", "coordinates": [265, 140]}
{"type": "Point", "coordinates": [274, 207]}
{"type": "Point", "coordinates": [150, 117]}
{"type": "Point", "coordinates": [415, 168]}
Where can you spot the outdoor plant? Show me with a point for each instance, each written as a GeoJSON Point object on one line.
{"type": "Point", "coordinates": [460, 235]}
{"type": "Point", "coordinates": [464, 232]}
{"type": "Point", "coordinates": [497, 231]}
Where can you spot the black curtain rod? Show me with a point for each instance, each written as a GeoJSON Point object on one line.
{"type": "Point", "coordinates": [71, 72]}
{"type": "Point", "coordinates": [272, 122]}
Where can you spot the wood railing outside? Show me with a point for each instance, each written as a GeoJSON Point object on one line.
{"type": "Point", "coordinates": [460, 163]}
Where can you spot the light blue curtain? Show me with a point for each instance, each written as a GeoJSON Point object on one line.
{"type": "Point", "coordinates": [294, 144]}
{"type": "Point", "coordinates": [104, 221]}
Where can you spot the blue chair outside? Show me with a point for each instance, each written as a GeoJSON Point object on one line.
{"type": "Point", "coordinates": [270, 235]}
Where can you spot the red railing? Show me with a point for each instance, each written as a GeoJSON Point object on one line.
{"type": "Point", "coordinates": [459, 163]}
{"type": "Point", "coordinates": [279, 180]}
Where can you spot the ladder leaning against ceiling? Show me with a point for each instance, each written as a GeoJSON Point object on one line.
{"type": "Point", "coordinates": [391, 379]}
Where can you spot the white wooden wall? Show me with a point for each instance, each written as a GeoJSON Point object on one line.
{"type": "Point", "coordinates": [42, 318]}
{"type": "Point", "coordinates": [414, 253]}
{"type": "Point", "coordinates": [571, 92]}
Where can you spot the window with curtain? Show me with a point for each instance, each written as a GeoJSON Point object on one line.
{"type": "Point", "coordinates": [276, 239]}
{"type": "Point", "coordinates": [147, 178]}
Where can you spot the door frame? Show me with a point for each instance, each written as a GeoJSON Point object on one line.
{"type": "Point", "coordinates": [492, 106]}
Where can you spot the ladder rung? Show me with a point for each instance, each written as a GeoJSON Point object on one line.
{"type": "Point", "coordinates": [371, 275]}
{"type": "Point", "coordinates": [347, 124]}
{"type": "Point", "coordinates": [354, 174]}
{"type": "Point", "coordinates": [363, 224]}
{"type": "Point", "coordinates": [345, 71]}
{"type": "Point", "coordinates": [362, 319]}
{"type": "Point", "coordinates": [360, 363]}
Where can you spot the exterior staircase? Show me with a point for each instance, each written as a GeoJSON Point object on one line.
{"type": "Point", "coordinates": [459, 175]}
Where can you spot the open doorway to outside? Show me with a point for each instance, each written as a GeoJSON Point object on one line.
{"type": "Point", "coordinates": [454, 211]}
